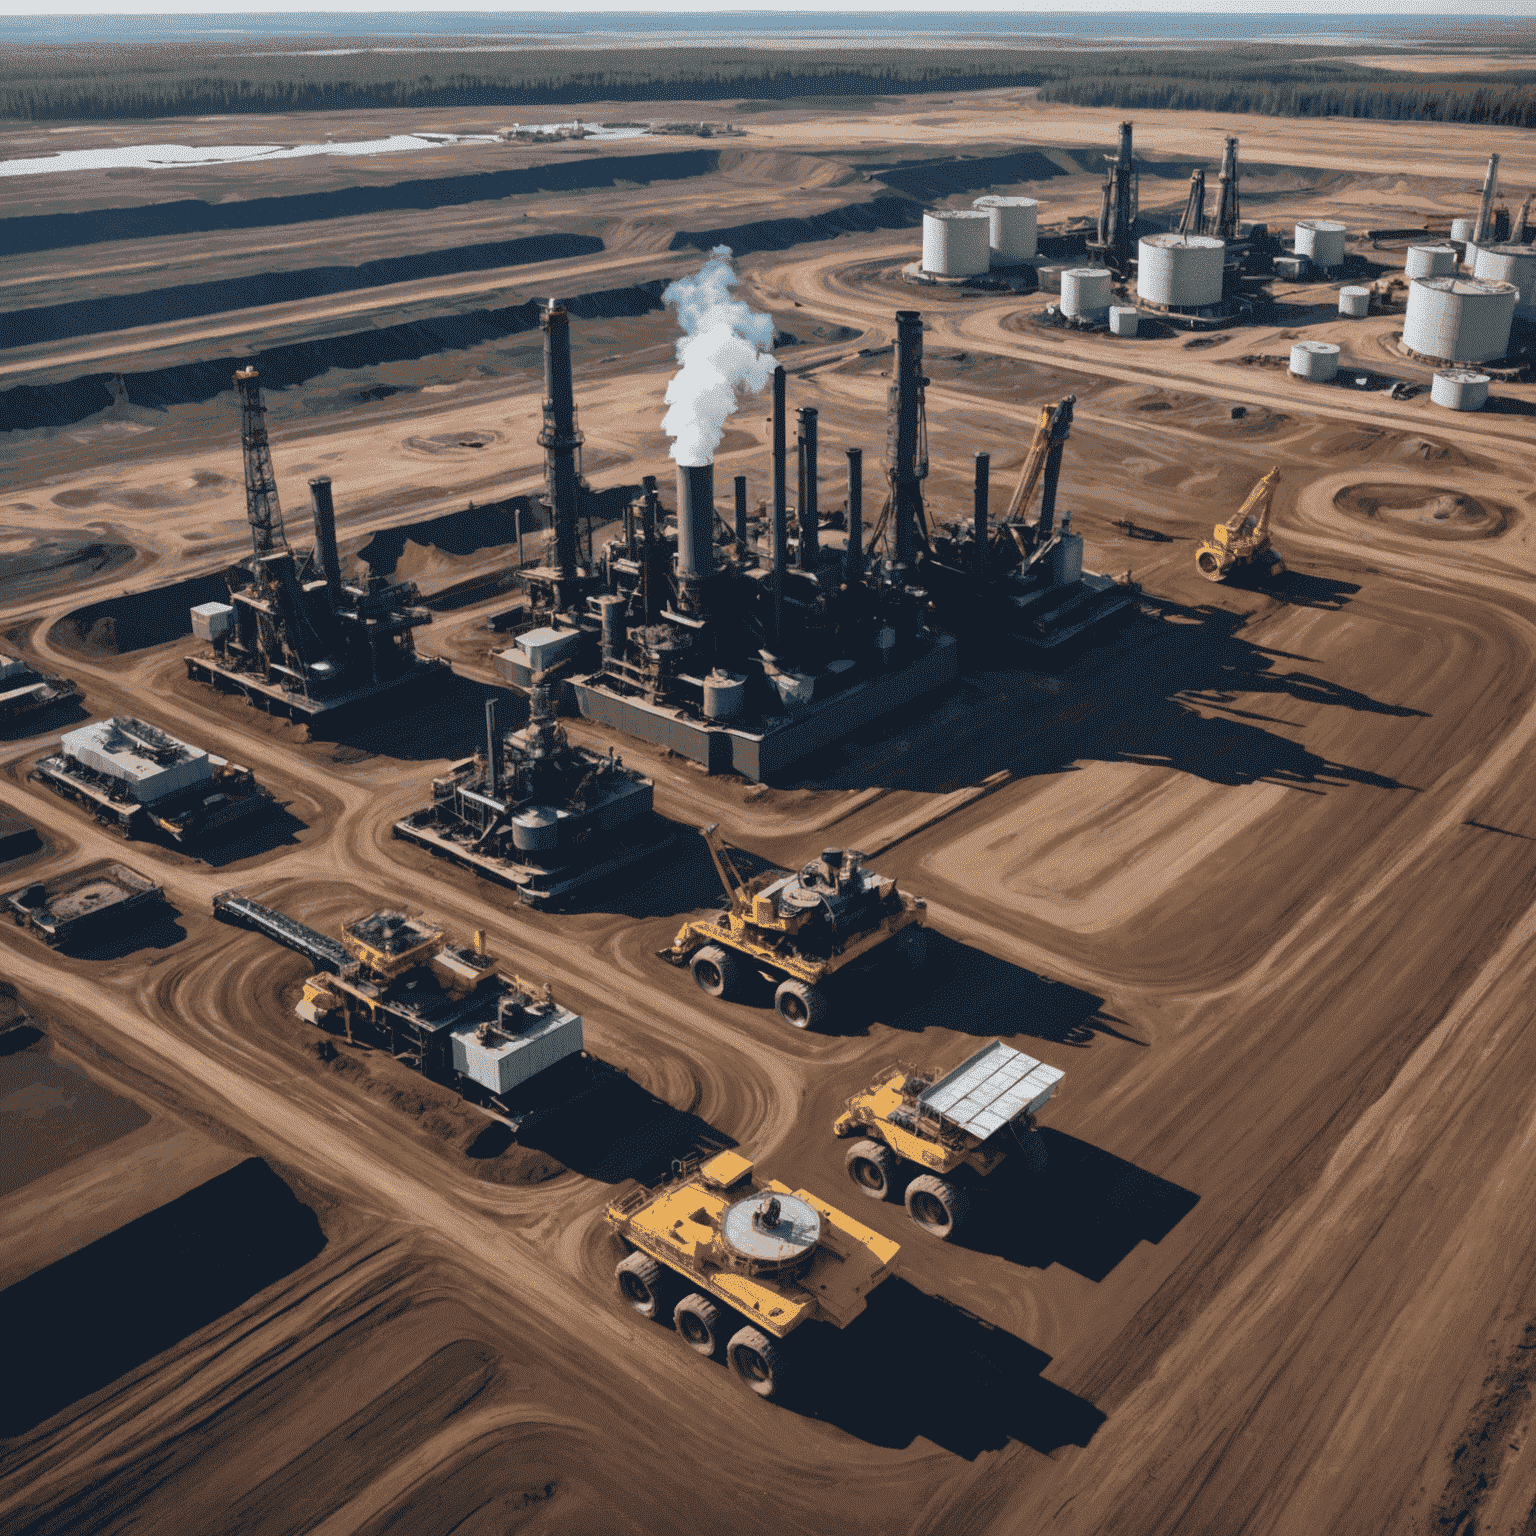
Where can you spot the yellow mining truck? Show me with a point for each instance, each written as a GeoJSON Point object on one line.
{"type": "Point", "coordinates": [741, 1263]}
{"type": "Point", "coordinates": [797, 929]}
{"type": "Point", "coordinates": [1243, 540]}
{"type": "Point", "coordinates": [955, 1128]}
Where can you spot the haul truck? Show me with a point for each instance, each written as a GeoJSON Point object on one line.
{"type": "Point", "coordinates": [797, 929]}
{"type": "Point", "coordinates": [936, 1136]}
{"type": "Point", "coordinates": [740, 1263]}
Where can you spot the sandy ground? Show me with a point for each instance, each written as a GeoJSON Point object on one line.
{"type": "Point", "coordinates": [1258, 877]}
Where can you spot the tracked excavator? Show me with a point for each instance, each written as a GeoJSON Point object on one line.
{"type": "Point", "coordinates": [1242, 542]}
{"type": "Point", "coordinates": [798, 929]}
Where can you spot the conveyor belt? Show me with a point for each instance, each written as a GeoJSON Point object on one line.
{"type": "Point", "coordinates": [325, 952]}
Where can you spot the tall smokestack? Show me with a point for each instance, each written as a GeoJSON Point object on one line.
{"type": "Point", "coordinates": [650, 597]}
{"type": "Point", "coordinates": [983, 479]}
{"type": "Point", "coordinates": [1484, 228]}
{"type": "Point", "coordinates": [806, 508]}
{"type": "Point", "coordinates": [560, 439]}
{"type": "Point", "coordinates": [908, 455]}
{"type": "Point", "coordinates": [741, 514]}
{"type": "Point", "coordinates": [780, 507]}
{"type": "Point", "coordinates": [325, 535]}
{"type": "Point", "coordinates": [853, 563]}
{"type": "Point", "coordinates": [493, 747]}
{"type": "Point", "coordinates": [695, 522]}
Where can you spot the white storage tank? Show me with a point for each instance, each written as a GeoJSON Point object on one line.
{"type": "Point", "coordinates": [725, 695]}
{"type": "Point", "coordinates": [1012, 228]}
{"type": "Point", "coordinates": [1085, 292]}
{"type": "Point", "coordinates": [1314, 360]}
{"type": "Point", "coordinates": [1123, 320]}
{"type": "Point", "coordinates": [1321, 241]}
{"type": "Point", "coordinates": [1459, 319]}
{"type": "Point", "coordinates": [955, 242]}
{"type": "Point", "coordinates": [1430, 261]}
{"type": "Point", "coordinates": [1181, 271]}
{"type": "Point", "coordinates": [1462, 230]}
{"type": "Point", "coordinates": [536, 830]}
{"type": "Point", "coordinates": [1459, 389]}
{"type": "Point", "coordinates": [1510, 264]}
{"type": "Point", "coordinates": [1355, 302]}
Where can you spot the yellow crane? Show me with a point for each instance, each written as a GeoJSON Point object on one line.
{"type": "Point", "coordinates": [1243, 540]}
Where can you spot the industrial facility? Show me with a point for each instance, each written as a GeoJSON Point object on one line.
{"type": "Point", "coordinates": [25, 691]}
{"type": "Point", "coordinates": [83, 905]}
{"type": "Point", "coordinates": [757, 1260]}
{"type": "Point", "coordinates": [397, 982]}
{"type": "Point", "coordinates": [536, 813]}
{"type": "Point", "coordinates": [141, 782]}
{"type": "Point", "coordinates": [295, 639]}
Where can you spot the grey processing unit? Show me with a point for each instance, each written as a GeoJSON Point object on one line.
{"type": "Point", "coordinates": [991, 1088]}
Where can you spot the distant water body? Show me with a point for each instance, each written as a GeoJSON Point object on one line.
{"type": "Point", "coordinates": [497, 30]}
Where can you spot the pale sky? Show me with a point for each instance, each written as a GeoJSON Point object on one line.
{"type": "Point", "coordinates": [1522, 9]}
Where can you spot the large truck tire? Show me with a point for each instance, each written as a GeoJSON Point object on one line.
{"type": "Point", "coordinates": [800, 1005]}
{"type": "Point", "coordinates": [937, 1206]}
{"type": "Point", "coordinates": [698, 1323]}
{"type": "Point", "coordinates": [639, 1277]}
{"type": "Point", "coordinates": [757, 1361]}
{"type": "Point", "coordinates": [872, 1166]}
{"type": "Point", "coordinates": [716, 970]}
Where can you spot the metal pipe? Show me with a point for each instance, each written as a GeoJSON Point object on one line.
{"type": "Point", "coordinates": [695, 522]}
{"type": "Point", "coordinates": [983, 477]}
{"type": "Point", "coordinates": [1480, 235]}
{"type": "Point", "coordinates": [650, 598]}
{"type": "Point", "coordinates": [807, 512]}
{"type": "Point", "coordinates": [909, 461]}
{"type": "Point", "coordinates": [560, 439]}
{"type": "Point", "coordinates": [325, 535]}
{"type": "Point", "coordinates": [780, 509]}
{"type": "Point", "coordinates": [492, 747]}
{"type": "Point", "coordinates": [853, 562]}
{"type": "Point", "coordinates": [741, 514]}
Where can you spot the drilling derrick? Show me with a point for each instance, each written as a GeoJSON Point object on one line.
{"type": "Point", "coordinates": [1228, 208]}
{"type": "Point", "coordinates": [261, 506]}
{"type": "Point", "coordinates": [907, 441]}
{"type": "Point", "coordinates": [1193, 220]}
{"type": "Point", "coordinates": [1119, 209]}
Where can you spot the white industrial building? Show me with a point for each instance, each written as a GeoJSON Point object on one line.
{"type": "Point", "coordinates": [148, 763]}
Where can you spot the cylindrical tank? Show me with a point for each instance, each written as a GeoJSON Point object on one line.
{"type": "Point", "coordinates": [1510, 264]}
{"type": "Point", "coordinates": [1012, 226]}
{"type": "Point", "coordinates": [1430, 261]}
{"type": "Point", "coordinates": [1182, 271]}
{"type": "Point", "coordinates": [1355, 302]}
{"type": "Point", "coordinates": [1321, 241]}
{"type": "Point", "coordinates": [1085, 292]}
{"type": "Point", "coordinates": [1123, 320]}
{"type": "Point", "coordinates": [1315, 360]}
{"type": "Point", "coordinates": [1459, 319]}
{"type": "Point", "coordinates": [535, 830]}
{"type": "Point", "coordinates": [610, 610]}
{"type": "Point", "coordinates": [725, 695]}
{"type": "Point", "coordinates": [1462, 230]}
{"type": "Point", "coordinates": [1459, 389]}
{"type": "Point", "coordinates": [955, 242]}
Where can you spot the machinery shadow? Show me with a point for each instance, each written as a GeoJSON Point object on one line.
{"type": "Point", "coordinates": [46, 722]}
{"type": "Point", "coordinates": [676, 880]}
{"type": "Point", "coordinates": [279, 829]}
{"type": "Point", "coordinates": [967, 989]}
{"type": "Point", "coordinates": [618, 1131]}
{"type": "Point", "coordinates": [916, 1366]}
{"type": "Point", "coordinates": [1145, 699]}
{"type": "Point", "coordinates": [161, 930]}
{"type": "Point", "coordinates": [1086, 1211]}
{"type": "Point", "coordinates": [446, 722]}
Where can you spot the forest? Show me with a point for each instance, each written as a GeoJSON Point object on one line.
{"type": "Point", "coordinates": [40, 83]}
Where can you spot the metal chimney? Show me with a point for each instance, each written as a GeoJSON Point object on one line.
{"type": "Point", "coordinates": [325, 535]}
{"type": "Point", "coordinates": [1229, 209]}
{"type": "Point", "coordinates": [493, 747]}
{"type": "Point", "coordinates": [650, 597]}
{"type": "Point", "coordinates": [560, 439]}
{"type": "Point", "coordinates": [1480, 235]}
{"type": "Point", "coordinates": [741, 514]}
{"type": "Point", "coordinates": [780, 509]}
{"type": "Point", "coordinates": [807, 512]}
{"type": "Point", "coordinates": [983, 478]}
{"type": "Point", "coordinates": [853, 562]}
{"type": "Point", "coordinates": [907, 444]}
{"type": "Point", "coordinates": [695, 522]}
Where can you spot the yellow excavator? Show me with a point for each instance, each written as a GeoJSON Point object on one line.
{"type": "Point", "coordinates": [1243, 541]}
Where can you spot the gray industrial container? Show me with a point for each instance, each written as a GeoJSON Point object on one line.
{"type": "Point", "coordinates": [211, 621]}
{"type": "Point", "coordinates": [512, 1059]}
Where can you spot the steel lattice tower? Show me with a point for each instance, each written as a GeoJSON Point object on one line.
{"type": "Point", "coordinates": [261, 506]}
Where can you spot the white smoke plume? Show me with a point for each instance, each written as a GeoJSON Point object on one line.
{"type": "Point", "coordinates": [725, 349]}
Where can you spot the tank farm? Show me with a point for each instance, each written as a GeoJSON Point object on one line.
{"type": "Point", "coordinates": [869, 875]}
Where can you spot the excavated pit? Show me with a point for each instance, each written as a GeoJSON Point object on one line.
{"type": "Point", "coordinates": [1430, 512]}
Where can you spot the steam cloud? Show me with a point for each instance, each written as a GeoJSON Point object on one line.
{"type": "Point", "coordinates": [725, 349]}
